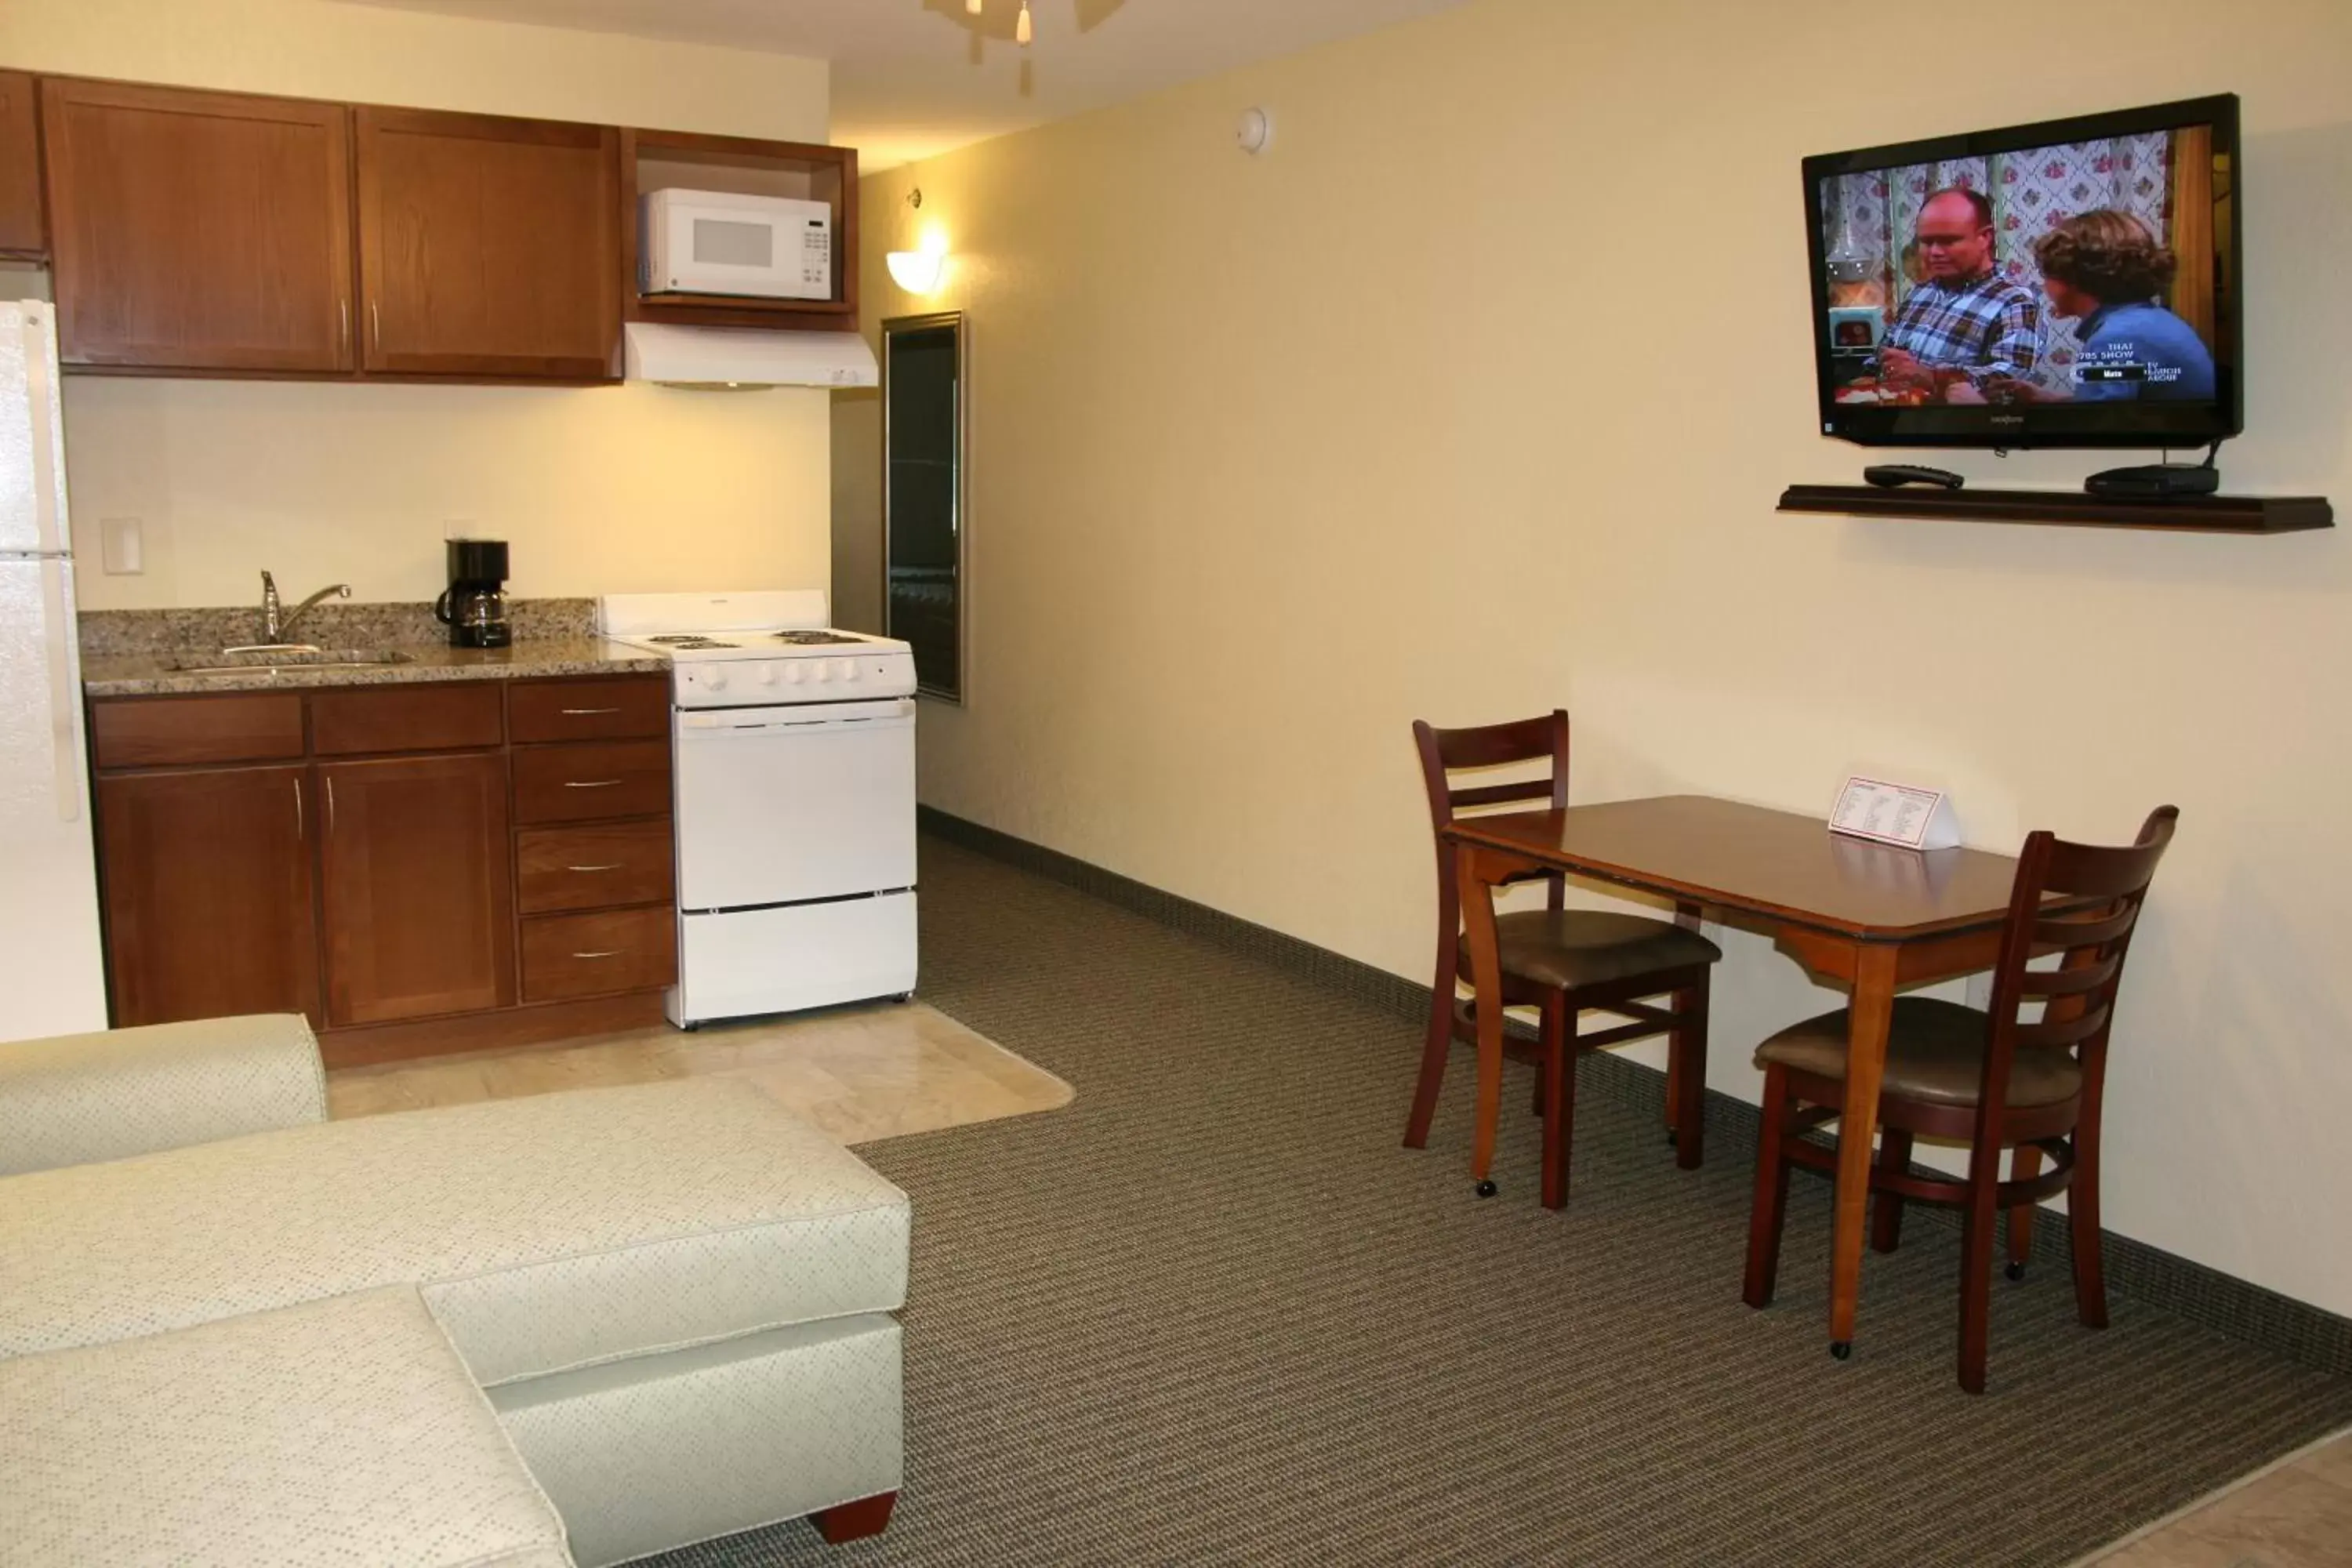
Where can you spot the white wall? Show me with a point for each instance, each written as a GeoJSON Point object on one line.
{"type": "Point", "coordinates": [1474, 396]}
{"type": "Point", "coordinates": [598, 490]}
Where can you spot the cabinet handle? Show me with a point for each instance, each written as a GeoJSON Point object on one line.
{"type": "Point", "coordinates": [375, 319]}
{"type": "Point", "coordinates": [343, 308]}
{"type": "Point", "coordinates": [300, 835]}
{"type": "Point", "coordinates": [331, 804]}
{"type": "Point", "coordinates": [592, 868]}
{"type": "Point", "coordinates": [608, 953]}
{"type": "Point", "coordinates": [568, 784]}
{"type": "Point", "coordinates": [587, 712]}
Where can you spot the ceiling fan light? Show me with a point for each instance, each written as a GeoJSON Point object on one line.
{"type": "Point", "coordinates": [971, 8]}
{"type": "Point", "coordinates": [1021, 29]}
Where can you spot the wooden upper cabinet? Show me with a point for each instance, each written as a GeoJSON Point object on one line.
{"type": "Point", "coordinates": [487, 244]}
{"type": "Point", "coordinates": [198, 230]}
{"type": "Point", "coordinates": [24, 231]}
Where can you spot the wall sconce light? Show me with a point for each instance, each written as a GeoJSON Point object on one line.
{"type": "Point", "coordinates": [917, 271]}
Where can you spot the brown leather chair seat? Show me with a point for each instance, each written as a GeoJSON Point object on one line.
{"type": "Point", "coordinates": [1573, 948]}
{"type": "Point", "coordinates": [1934, 1052]}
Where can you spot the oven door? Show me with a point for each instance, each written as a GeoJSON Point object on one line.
{"type": "Point", "coordinates": [783, 806]}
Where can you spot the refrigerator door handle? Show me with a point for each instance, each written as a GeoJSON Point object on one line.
{"type": "Point", "coordinates": [41, 394]}
{"type": "Point", "coordinates": [65, 707]}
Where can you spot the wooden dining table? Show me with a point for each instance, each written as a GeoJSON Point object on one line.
{"type": "Point", "coordinates": [1873, 917]}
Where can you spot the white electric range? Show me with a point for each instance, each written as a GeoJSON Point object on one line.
{"type": "Point", "coordinates": [794, 753]}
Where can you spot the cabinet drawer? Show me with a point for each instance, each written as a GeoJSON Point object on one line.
{"type": "Point", "coordinates": [595, 955]}
{"type": "Point", "coordinates": [588, 710]}
{"type": "Point", "coordinates": [580, 783]}
{"type": "Point", "coordinates": [593, 868]}
{"type": "Point", "coordinates": [407, 718]}
{"type": "Point", "coordinates": [166, 731]}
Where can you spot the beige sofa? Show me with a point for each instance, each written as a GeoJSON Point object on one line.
{"type": "Point", "coordinates": [665, 1310]}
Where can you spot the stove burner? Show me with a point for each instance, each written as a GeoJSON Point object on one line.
{"type": "Point", "coordinates": [808, 639]}
{"type": "Point", "coordinates": [696, 641]}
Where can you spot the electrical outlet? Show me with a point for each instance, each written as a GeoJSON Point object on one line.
{"type": "Point", "coordinates": [122, 546]}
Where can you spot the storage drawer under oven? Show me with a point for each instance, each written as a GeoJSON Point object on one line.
{"type": "Point", "coordinates": [595, 866]}
{"type": "Point", "coordinates": [598, 955]}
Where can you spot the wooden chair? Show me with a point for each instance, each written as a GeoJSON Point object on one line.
{"type": "Point", "coordinates": [1993, 1080]}
{"type": "Point", "coordinates": [1559, 960]}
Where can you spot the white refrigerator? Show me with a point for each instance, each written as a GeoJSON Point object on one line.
{"type": "Point", "coordinates": [52, 974]}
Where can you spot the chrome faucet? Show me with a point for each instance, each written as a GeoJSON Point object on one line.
{"type": "Point", "coordinates": [277, 623]}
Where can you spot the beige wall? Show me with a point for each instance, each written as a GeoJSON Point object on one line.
{"type": "Point", "coordinates": [606, 488]}
{"type": "Point", "coordinates": [1473, 397]}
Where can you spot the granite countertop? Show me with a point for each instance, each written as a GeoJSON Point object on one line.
{"type": "Point", "coordinates": [131, 653]}
{"type": "Point", "coordinates": [150, 675]}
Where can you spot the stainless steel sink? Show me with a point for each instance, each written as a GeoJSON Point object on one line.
{"type": "Point", "coordinates": [250, 661]}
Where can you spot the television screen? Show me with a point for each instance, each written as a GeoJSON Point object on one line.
{"type": "Point", "coordinates": [2069, 284]}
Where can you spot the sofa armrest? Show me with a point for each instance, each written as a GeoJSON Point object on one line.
{"type": "Point", "coordinates": [75, 1099]}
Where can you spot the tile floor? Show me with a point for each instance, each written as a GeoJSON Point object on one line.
{"type": "Point", "coordinates": [860, 1073]}
{"type": "Point", "coordinates": [2295, 1514]}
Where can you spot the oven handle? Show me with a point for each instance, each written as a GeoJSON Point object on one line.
{"type": "Point", "coordinates": [809, 719]}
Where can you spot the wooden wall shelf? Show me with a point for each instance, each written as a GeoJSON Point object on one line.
{"type": "Point", "coordinates": [2068, 509]}
{"type": "Point", "coordinates": [651, 160]}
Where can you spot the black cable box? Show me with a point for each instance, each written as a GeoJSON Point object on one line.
{"type": "Point", "coordinates": [2155, 482]}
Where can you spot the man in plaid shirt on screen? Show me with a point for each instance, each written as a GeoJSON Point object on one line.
{"type": "Point", "coordinates": [1963, 320]}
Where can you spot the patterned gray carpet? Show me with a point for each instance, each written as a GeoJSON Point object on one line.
{"type": "Point", "coordinates": [1212, 1313]}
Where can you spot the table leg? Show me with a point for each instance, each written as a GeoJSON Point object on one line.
{"type": "Point", "coordinates": [1478, 896]}
{"type": "Point", "coordinates": [1872, 1009]}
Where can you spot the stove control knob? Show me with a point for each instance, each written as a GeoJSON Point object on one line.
{"type": "Point", "coordinates": [715, 680]}
{"type": "Point", "coordinates": [823, 669]}
{"type": "Point", "coordinates": [793, 674]}
{"type": "Point", "coordinates": [767, 674]}
{"type": "Point", "coordinates": [849, 671]}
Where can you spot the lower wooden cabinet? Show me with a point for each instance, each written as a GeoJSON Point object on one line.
{"type": "Point", "coordinates": [598, 954]}
{"type": "Point", "coordinates": [419, 887]}
{"type": "Point", "coordinates": [417, 867]}
{"type": "Point", "coordinates": [208, 888]}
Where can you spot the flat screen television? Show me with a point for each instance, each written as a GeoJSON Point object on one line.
{"type": "Point", "coordinates": [2075, 283]}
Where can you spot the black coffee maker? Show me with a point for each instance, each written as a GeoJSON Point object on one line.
{"type": "Point", "coordinates": [474, 607]}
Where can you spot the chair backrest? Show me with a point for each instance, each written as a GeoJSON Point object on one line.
{"type": "Point", "coordinates": [2098, 891]}
{"type": "Point", "coordinates": [1487, 746]}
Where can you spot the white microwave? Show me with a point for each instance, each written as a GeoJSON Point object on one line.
{"type": "Point", "coordinates": [714, 242]}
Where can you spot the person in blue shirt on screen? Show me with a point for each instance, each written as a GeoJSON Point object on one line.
{"type": "Point", "coordinates": [2105, 270]}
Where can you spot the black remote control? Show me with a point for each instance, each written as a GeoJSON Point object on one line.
{"type": "Point", "coordinates": [1893, 475]}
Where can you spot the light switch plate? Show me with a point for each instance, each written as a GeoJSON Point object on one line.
{"type": "Point", "coordinates": [122, 546]}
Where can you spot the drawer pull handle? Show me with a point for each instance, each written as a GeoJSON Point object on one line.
{"type": "Point", "coordinates": [587, 712]}
{"type": "Point", "coordinates": [609, 953]}
{"type": "Point", "coordinates": [612, 868]}
{"type": "Point", "coordinates": [591, 784]}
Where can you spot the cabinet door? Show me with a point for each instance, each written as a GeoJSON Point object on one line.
{"type": "Point", "coordinates": [22, 230]}
{"type": "Point", "coordinates": [489, 247]}
{"type": "Point", "coordinates": [207, 884]}
{"type": "Point", "coordinates": [419, 888]}
{"type": "Point", "coordinates": [198, 230]}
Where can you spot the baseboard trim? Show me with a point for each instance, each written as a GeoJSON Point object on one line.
{"type": "Point", "coordinates": [2297, 1331]}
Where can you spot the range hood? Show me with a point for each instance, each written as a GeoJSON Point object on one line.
{"type": "Point", "coordinates": [747, 356]}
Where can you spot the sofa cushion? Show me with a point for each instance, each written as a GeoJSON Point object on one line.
{"type": "Point", "coordinates": [344, 1432]}
{"type": "Point", "coordinates": [72, 1099]}
{"type": "Point", "coordinates": [547, 1233]}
